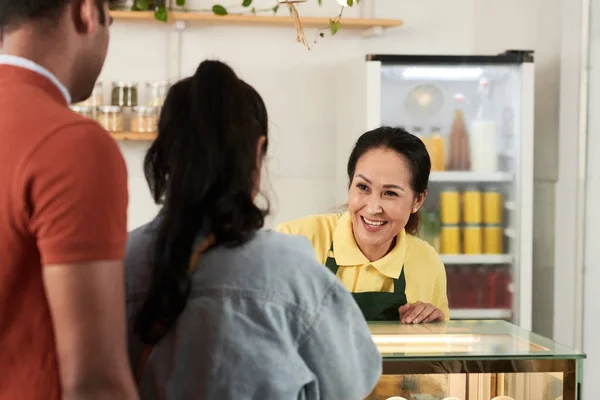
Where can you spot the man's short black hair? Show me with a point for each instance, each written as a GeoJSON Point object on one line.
{"type": "Point", "coordinates": [14, 12]}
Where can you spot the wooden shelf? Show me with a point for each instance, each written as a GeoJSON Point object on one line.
{"type": "Point", "coordinates": [148, 137]}
{"type": "Point", "coordinates": [255, 20]}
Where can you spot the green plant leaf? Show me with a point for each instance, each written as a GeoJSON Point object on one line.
{"type": "Point", "coordinates": [275, 9]}
{"type": "Point", "coordinates": [161, 14]}
{"type": "Point", "coordinates": [253, 10]}
{"type": "Point", "coordinates": [142, 5]}
{"type": "Point", "coordinates": [246, 3]}
{"type": "Point", "coordinates": [350, 3]}
{"type": "Point", "coordinates": [182, 2]}
{"type": "Point", "coordinates": [320, 2]}
{"type": "Point", "coordinates": [334, 26]}
{"type": "Point", "coordinates": [219, 10]}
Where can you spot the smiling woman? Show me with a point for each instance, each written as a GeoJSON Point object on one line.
{"type": "Point", "coordinates": [372, 247]}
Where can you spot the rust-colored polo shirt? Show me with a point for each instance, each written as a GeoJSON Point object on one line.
{"type": "Point", "coordinates": [63, 199]}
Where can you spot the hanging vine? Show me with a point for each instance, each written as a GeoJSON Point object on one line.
{"type": "Point", "coordinates": [161, 13]}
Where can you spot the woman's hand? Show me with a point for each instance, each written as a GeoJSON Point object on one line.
{"type": "Point", "coordinates": [420, 312]}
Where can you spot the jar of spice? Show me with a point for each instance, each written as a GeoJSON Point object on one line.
{"type": "Point", "coordinates": [156, 92]}
{"type": "Point", "coordinates": [97, 97]}
{"type": "Point", "coordinates": [83, 110]}
{"type": "Point", "coordinates": [121, 5]}
{"type": "Point", "coordinates": [144, 119]}
{"type": "Point", "coordinates": [111, 118]}
{"type": "Point", "coordinates": [124, 94]}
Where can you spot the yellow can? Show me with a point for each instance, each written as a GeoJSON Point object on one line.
{"type": "Point", "coordinates": [450, 239]}
{"type": "Point", "coordinates": [472, 206]}
{"type": "Point", "coordinates": [493, 237]}
{"type": "Point", "coordinates": [472, 239]}
{"type": "Point", "coordinates": [450, 206]}
{"type": "Point", "coordinates": [492, 207]}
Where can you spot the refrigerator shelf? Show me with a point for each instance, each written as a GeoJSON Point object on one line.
{"type": "Point", "coordinates": [488, 259]}
{"type": "Point", "coordinates": [480, 313]}
{"type": "Point", "coordinates": [466, 176]}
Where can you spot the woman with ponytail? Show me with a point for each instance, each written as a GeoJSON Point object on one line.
{"type": "Point", "coordinates": [217, 307]}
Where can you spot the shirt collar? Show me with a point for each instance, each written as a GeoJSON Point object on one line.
{"type": "Point", "coordinates": [21, 62]}
{"type": "Point", "coordinates": [347, 253]}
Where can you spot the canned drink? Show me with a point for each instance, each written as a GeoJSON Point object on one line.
{"type": "Point", "coordinates": [492, 206]}
{"type": "Point", "coordinates": [450, 239]}
{"type": "Point", "coordinates": [450, 206]}
{"type": "Point", "coordinates": [472, 206]}
{"type": "Point", "coordinates": [472, 239]}
{"type": "Point", "coordinates": [493, 237]}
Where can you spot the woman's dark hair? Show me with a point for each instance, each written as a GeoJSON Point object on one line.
{"type": "Point", "coordinates": [203, 169]}
{"type": "Point", "coordinates": [18, 11]}
{"type": "Point", "coordinates": [405, 144]}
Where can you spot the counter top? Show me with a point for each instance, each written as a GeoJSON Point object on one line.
{"type": "Point", "coordinates": [465, 340]}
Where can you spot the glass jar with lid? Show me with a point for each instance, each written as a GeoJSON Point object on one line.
{"type": "Point", "coordinates": [83, 110]}
{"type": "Point", "coordinates": [124, 5]}
{"type": "Point", "coordinates": [97, 97]}
{"type": "Point", "coordinates": [156, 92]}
{"type": "Point", "coordinates": [111, 118]}
{"type": "Point", "coordinates": [124, 94]}
{"type": "Point", "coordinates": [144, 119]}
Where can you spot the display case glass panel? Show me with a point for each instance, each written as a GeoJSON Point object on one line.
{"type": "Point", "coordinates": [472, 360]}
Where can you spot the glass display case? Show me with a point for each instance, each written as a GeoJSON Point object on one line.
{"type": "Point", "coordinates": [473, 360]}
{"type": "Point", "coordinates": [475, 115]}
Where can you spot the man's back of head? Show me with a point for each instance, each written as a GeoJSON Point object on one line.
{"type": "Point", "coordinates": [67, 37]}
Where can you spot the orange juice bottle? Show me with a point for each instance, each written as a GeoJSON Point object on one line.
{"type": "Point", "coordinates": [437, 150]}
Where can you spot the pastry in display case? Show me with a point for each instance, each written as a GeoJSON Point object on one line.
{"type": "Point", "coordinates": [472, 360]}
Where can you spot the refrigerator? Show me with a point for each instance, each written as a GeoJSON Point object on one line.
{"type": "Point", "coordinates": [475, 114]}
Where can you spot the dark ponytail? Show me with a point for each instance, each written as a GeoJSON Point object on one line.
{"type": "Point", "coordinates": [203, 169]}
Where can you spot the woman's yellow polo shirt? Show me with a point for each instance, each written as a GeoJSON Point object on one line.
{"type": "Point", "coordinates": [424, 271]}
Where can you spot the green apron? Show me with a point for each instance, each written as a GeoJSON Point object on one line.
{"type": "Point", "coordinates": [377, 306]}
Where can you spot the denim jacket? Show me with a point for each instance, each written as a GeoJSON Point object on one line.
{"type": "Point", "coordinates": [263, 321]}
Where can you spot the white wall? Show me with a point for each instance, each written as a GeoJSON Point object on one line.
{"type": "Point", "coordinates": [297, 85]}
{"type": "Point", "coordinates": [591, 276]}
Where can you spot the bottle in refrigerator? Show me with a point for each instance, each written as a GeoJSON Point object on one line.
{"type": "Point", "coordinates": [469, 284]}
{"type": "Point", "coordinates": [437, 150]}
{"type": "Point", "coordinates": [453, 287]}
{"type": "Point", "coordinates": [499, 295]}
{"type": "Point", "coordinates": [450, 206]}
{"type": "Point", "coordinates": [493, 237]}
{"type": "Point", "coordinates": [492, 206]}
{"type": "Point", "coordinates": [450, 239]}
{"type": "Point", "coordinates": [472, 239]}
{"type": "Point", "coordinates": [459, 157]}
{"type": "Point", "coordinates": [472, 206]}
{"type": "Point", "coordinates": [484, 139]}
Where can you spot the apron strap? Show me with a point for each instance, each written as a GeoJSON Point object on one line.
{"type": "Point", "coordinates": [330, 262]}
{"type": "Point", "coordinates": [208, 242]}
